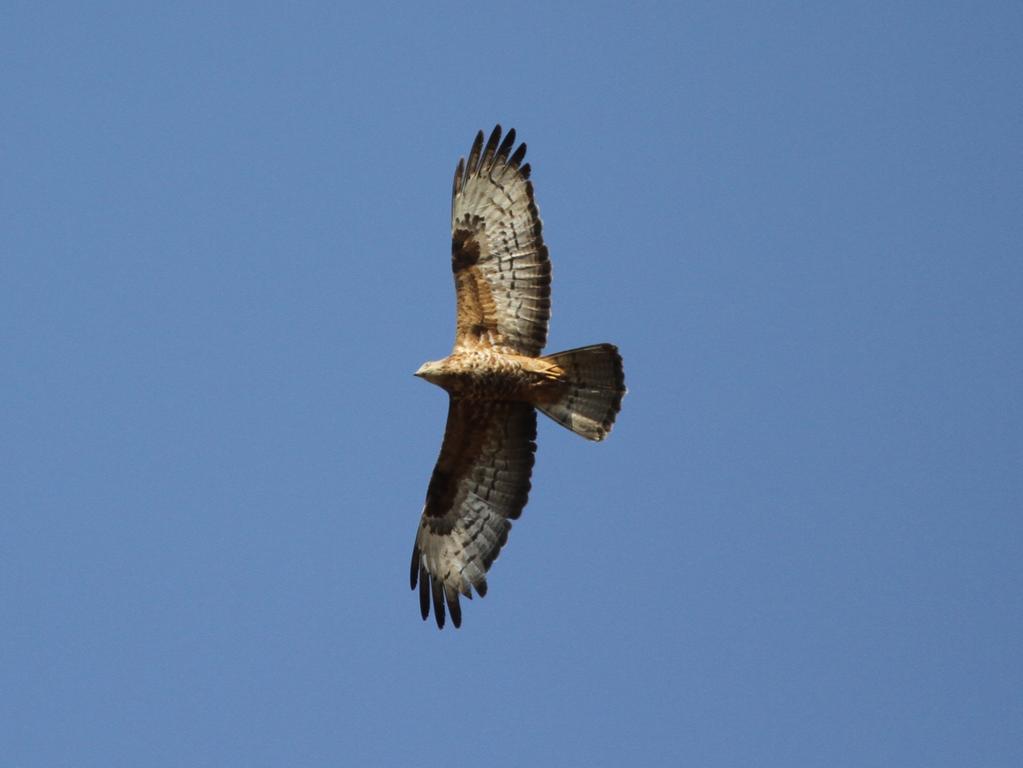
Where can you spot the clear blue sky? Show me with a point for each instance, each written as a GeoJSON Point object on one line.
{"type": "Point", "coordinates": [224, 247]}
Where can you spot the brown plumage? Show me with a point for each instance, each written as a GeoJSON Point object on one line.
{"type": "Point", "coordinates": [497, 379]}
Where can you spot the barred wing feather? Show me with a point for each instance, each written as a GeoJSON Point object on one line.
{"type": "Point", "coordinates": [500, 263]}
{"type": "Point", "coordinates": [479, 485]}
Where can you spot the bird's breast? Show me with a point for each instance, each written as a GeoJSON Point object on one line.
{"type": "Point", "coordinates": [488, 375]}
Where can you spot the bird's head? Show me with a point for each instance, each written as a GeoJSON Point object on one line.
{"type": "Point", "coordinates": [432, 371]}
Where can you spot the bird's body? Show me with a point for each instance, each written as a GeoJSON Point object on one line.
{"type": "Point", "coordinates": [485, 374]}
{"type": "Point", "coordinates": [496, 378]}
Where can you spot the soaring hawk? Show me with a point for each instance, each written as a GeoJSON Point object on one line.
{"type": "Point", "coordinates": [496, 378]}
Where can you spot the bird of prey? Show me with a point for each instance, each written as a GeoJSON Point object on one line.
{"type": "Point", "coordinates": [496, 378]}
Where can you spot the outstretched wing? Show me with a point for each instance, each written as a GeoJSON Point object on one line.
{"type": "Point", "coordinates": [480, 484]}
{"type": "Point", "coordinates": [502, 273]}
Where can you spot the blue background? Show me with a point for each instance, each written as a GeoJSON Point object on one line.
{"type": "Point", "coordinates": [225, 247]}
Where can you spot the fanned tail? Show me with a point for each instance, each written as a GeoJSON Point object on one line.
{"type": "Point", "coordinates": [592, 384]}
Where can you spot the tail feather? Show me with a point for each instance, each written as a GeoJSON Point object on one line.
{"type": "Point", "coordinates": [590, 391]}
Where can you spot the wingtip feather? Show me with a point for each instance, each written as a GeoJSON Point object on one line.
{"type": "Point", "coordinates": [487, 164]}
{"type": "Point", "coordinates": [414, 571]}
{"type": "Point", "coordinates": [506, 145]}
{"type": "Point", "coordinates": [454, 608]}
{"type": "Point", "coordinates": [456, 186]}
{"type": "Point", "coordinates": [438, 603]}
{"type": "Point", "coordinates": [517, 156]}
{"type": "Point", "coordinates": [424, 593]}
{"type": "Point", "coordinates": [472, 164]}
